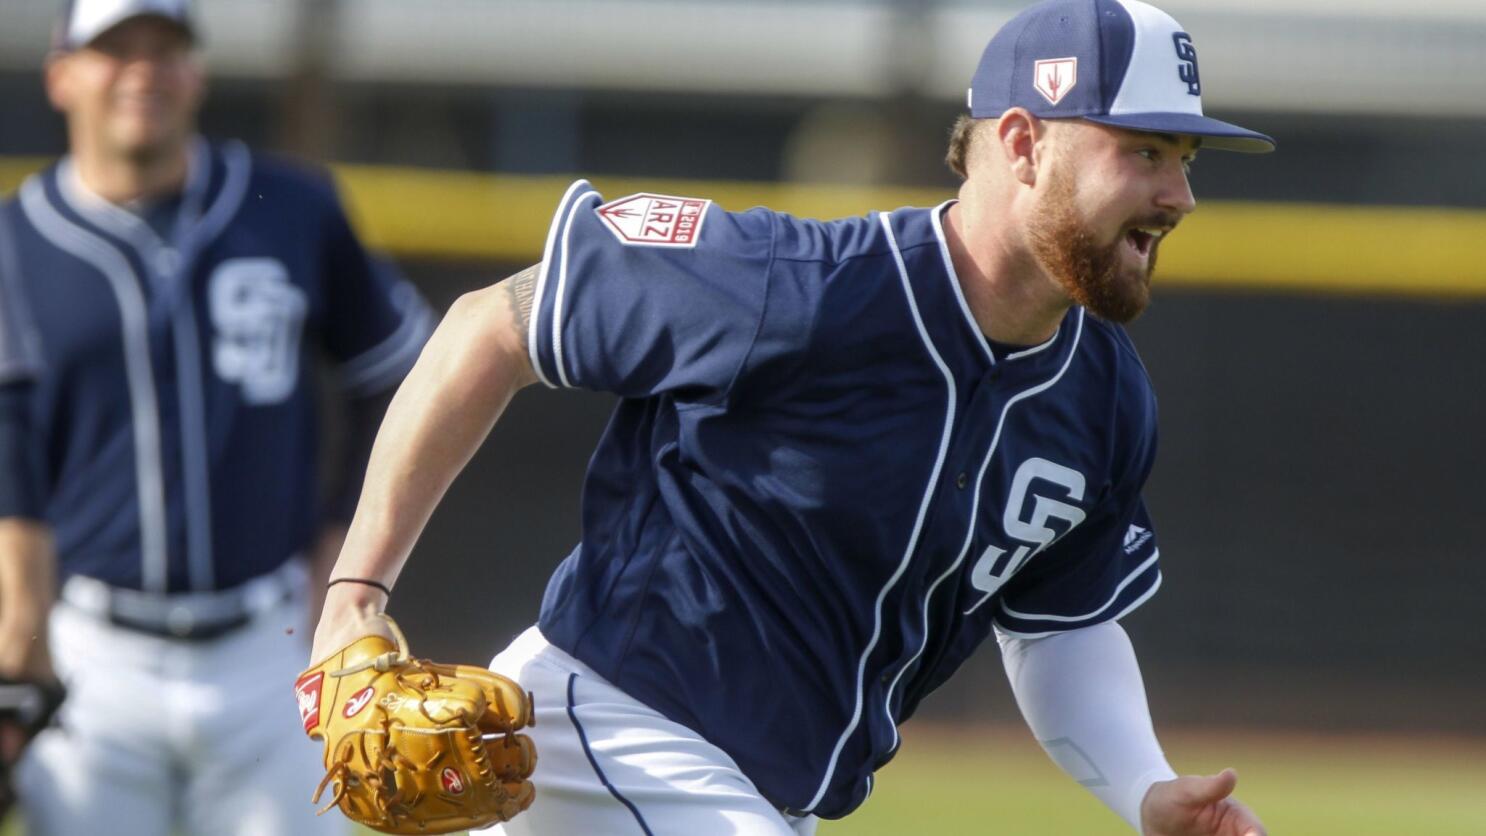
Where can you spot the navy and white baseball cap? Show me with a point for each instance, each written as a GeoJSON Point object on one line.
{"type": "Point", "coordinates": [1116, 62]}
{"type": "Point", "coordinates": [84, 20]}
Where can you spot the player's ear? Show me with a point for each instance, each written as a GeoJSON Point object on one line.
{"type": "Point", "coordinates": [54, 79]}
{"type": "Point", "coordinates": [1017, 135]}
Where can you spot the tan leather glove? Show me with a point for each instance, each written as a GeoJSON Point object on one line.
{"type": "Point", "coordinates": [417, 747]}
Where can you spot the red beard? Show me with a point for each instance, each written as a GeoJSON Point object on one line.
{"type": "Point", "coordinates": [1092, 274]}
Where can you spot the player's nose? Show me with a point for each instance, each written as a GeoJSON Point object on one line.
{"type": "Point", "coordinates": [1175, 194]}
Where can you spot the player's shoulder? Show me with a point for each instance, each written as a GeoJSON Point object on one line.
{"type": "Point", "coordinates": [1112, 339]}
{"type": "Point", "coordinates": [1120, 366]}
{"type": "Point", "coordinates": [832, 242]}
{"type": "Point", "coordinates": [278, 174]}
{"type": "Point", "coordinates": [680, 223]}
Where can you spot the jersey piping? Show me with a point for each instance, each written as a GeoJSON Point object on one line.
{"type": "Point", "coordinates": [1098, 612]}
{"type": "Point", "coordinates": [171, 280]}
{"type": "Point", "coordinates": [377, 368]}
{"type": "Point", "coordinates": [564, 209]}
{"type": "Point", "coordinates": [975, 508]}
{"type": "Point", "coordinates": [1001, 424]}
{"type": "Point", "coordinates": [558, 359]}
{"type": "Point", "coordinates": [923, 509]}
{"type": "Point", "coordinates": [936, 218]}
{"type": "Point", "coordinates": [144, 409]}
{"type": "Point", "coordinates": [195, 455]}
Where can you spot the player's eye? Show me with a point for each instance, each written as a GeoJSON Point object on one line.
{"type": "Point", "coordinates": [1151, 154]}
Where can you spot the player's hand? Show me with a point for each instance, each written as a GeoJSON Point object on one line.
{"type": "Point", "coordinates": [350, 613]}
{"type": "Point", "coordinates": [1197, 805]}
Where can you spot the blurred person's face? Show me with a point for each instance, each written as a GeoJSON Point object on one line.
{"type": "Point", "coordinates": [1106, 199]}
{"type": "Point", "coordinates": [132, 93]}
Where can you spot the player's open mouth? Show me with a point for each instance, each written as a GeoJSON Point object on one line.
{"type": "Point", "coordinates": [1143, 239]}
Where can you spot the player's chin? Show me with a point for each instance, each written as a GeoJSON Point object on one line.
{"type": "Point", "coordinates": [1122, 297]}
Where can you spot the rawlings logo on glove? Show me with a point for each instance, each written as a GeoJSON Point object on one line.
{"type": "Point", "coordinates": [417, 747]}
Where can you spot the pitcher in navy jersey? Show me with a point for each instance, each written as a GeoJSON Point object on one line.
{"type": "Point", "coordinates": [163, 305]}
{"type": "Point", "coordinates": [845, 454]}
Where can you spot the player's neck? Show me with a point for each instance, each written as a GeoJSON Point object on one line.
{"type": "Point", "coordinates": [123, 179]}
{"type": "Point", "coordinates": [1011, 299]}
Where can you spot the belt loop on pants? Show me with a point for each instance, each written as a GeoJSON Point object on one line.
{"type": "Point", "coordinates": [192, 616]}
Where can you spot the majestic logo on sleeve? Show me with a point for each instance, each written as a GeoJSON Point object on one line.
{"type": "Point", "coordinates": [655, 220]}
{"type": "Point", "coordinates": [258, 315]}
{"type": "Point", "coordinates": [1028, 517]}
{"type": "Point", "coordinates": [307, 694]}
{"type": "Point", "coordinates": [1135, 537]}
{"type": "Point", "coordinates": [1187, 69]}
{"type": "Point", "coordinates": [1054, 77]}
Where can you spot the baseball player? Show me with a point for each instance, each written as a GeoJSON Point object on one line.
{"type": "Point", "coordinates": [845, 454]}
{"type": "Point", "coordinates": [164, 301]}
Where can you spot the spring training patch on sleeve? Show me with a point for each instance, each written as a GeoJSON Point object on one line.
{"type": "Point", "coordinates": [655, 220]}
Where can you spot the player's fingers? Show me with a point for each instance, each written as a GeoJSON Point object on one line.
{"type": "Point", "coordinates": [1245, 823]}
{"type": "Point", "coordinates": [1209, 789]}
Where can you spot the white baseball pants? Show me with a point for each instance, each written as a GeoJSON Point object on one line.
{"type": "Point", "coordinates": [608, 764]}
{"type": "Point", "coordinates": [163, 736]}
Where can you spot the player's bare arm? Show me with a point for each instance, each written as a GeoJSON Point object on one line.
{"type": "Point", "coordinates": [27, 588]}
{"type": "Point", "coordinates": [473, 365]}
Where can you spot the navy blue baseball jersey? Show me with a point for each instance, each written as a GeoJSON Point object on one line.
{"type": "Point", "coordinates": [822, 486]}
{"type": "Point", "coordinates": [171, 355]}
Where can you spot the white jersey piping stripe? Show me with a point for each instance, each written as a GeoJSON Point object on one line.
{"type": "Point", "coordinates": [923, 510]}
{"type": "Point", "coordinates": [1028, 352]}
{"type": "Point", "coordinates": [1126, 610]}
{"type": "Point", "coordinates": [139, 375]}
{"type": "Point", "coordinates": [1097, 611]}
{"type": "Point", "coordinates": [542, 272]}
{"type": "Point", "coordinates": [27, 360]}
{"type": "Point", "coordinates": [193, 449]}
{"type": "Point", "coordinates": [954, 280]}
{"type": "Point", "coordinates": [196, 456]}
{"type": "Point", "coordinates": [975, 515]}
{"type": "Point", "coordinates": [378, 367]}
{"type": "Point", "coordinates": [235, 156]}
{"type": "Point", "coordinates": [558, 359]}
{"type": "Point", "coordinates": [1000, 423]}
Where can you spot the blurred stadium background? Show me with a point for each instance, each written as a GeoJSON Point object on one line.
{"type": "Point", "coordinates": [1318, 339]}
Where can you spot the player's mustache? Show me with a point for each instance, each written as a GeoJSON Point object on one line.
{"type": "Point", "coordinates": [1169, 220]}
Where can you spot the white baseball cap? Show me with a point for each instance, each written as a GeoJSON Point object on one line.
{"type": "Point", "coordinates": [84, 20]}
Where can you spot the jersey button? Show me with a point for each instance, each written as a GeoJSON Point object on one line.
{"type": "Point", "coordinates": [962, 480]}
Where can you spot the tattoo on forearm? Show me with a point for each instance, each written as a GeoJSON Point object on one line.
{"type": "Point", "coordinates": [520, 289]}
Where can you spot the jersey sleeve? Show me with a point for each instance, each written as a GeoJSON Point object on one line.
{"type": "Point", "coordinates": [375, 321]}
{"type": "Point", "coordinates": [1100, 571]}
{"type": "Point", "coordinates": [1103, 568]}
{"type": "Point", "coordinates": [21, 466]}
{"type": "Point", "coordinates": [20, 355]}
{"type": "Point", "coordinates": [648, 294]}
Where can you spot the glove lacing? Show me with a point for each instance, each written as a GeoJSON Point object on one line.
{"type": "Point", "coordinates": [404, 668]}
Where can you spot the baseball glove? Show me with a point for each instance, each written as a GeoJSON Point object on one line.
{"type": "Point", "coordinates": [25, 709]}
{"type": "Point", "coordinates": [417, 747]}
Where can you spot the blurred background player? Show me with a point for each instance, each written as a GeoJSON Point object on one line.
{"type": "Point", "coordinates": [164, 300]}
{"type": "Point", "coordinates": [847, 453]}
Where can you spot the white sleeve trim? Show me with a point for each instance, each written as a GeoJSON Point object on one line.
{"type": "Point", "coordinates": [1099, 610]}
{"type": "Point", "coordinates": [387, 362]}
{"type": "Point", "coordinates": [561, 220]}
{"type": "Point", "coordinates": [1082, 695]}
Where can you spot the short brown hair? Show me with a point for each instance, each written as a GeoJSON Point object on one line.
{"type": "Point", "coordinates": [961, 139]}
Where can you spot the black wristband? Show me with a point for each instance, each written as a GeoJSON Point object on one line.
{"type": "Point", "coordinates": [377, 584]}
